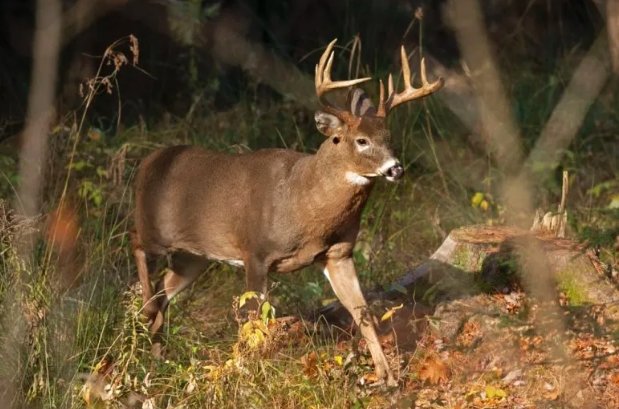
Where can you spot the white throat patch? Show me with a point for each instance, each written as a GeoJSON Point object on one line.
{"type": "Point", "coordinates": [356, 179]}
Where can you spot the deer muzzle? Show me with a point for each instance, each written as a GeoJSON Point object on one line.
{"type": "Point", "coordinates": [395, 172]}
{"type": "Point", "coordinates": [392, 170]}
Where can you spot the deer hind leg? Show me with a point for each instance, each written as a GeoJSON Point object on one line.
{"type": "Point", "coordinates": [184, 270]}
{"type": "Point", "coordinates": [343, 278]}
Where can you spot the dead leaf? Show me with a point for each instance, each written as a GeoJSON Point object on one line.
{"type": "Point", "coordinates": [310, 364]}
{"type": "Point", "coordinates": [63, 228]}
{"type": "Point", "coordinates": [97, 387]}
{"type": "Point", "coordinates": [469, 335]}
{"type": "Point", "coordinates": [369, 378]}
{"type": "Point", "coordinates": [434, 370]}
{"type": "Point", "coordinates": [62, 236]}
{"type": "Point", "coordinates": [552, 395]}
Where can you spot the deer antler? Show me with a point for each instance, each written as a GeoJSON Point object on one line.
{"type": "Point", "coordinates": [410, 93]}
{"type": "Point", "coordinates": [324, 83]}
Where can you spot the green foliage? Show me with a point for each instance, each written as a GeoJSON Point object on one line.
{"type": "Point", "coordinates": [569, 284]}
{"type": "Point", "coordinates": [9, 176]}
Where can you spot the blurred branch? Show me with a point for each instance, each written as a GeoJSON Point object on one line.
{"type": "Point", "coordinates": [457, 94]}
{"type": "Point", "coordinates": [40, 112]}
{"type": "Point", "coordinates": [32, 161]}
{"type": "Point", "coordinates": [498, 126]}
{"type": "Point", "coordinates": [504, 145]}
{"type": "Point", "coordinates": [231, 47]}
{"type": "Point", "coordinates": [567, 117]}
{"type": "Point", "coordinates": [601, 6]}
{"type": "Point", "coordinates": [83, 13]}
{"type": "Point", "coordinates": [612, 26]}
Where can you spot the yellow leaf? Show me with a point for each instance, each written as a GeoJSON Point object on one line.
{"type": "Point", "coordinates": [476, 199]}
{"type": "Point", "coordinates": [246, 329]}
{"type": "Point", "coordinates": [493, 392]}
{"type": "Point", "coordinates": [327, 301]}
{"type": "Point", "coordinates": [248, 295]}
{"type": "Point", "coordinates": [390, 312]}
{"type": "Point", "coordinates": [255, 339]}
{"type": "Point", "coordinates": [253, 333]}
{"type": "Point", "coordinates": [339, 360]}
{"type": "Point", "coordinates": [484, 205]}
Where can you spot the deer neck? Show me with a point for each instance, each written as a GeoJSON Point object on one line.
{"type": "Point", "coordinates": [327, 191]}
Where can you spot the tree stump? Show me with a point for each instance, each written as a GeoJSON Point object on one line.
{"type": "Point", "coordinates": [480, 258]}
{"type": "Point", "coordinates": [490, 255]}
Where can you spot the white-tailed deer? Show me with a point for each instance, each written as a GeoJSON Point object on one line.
{"type": "Point", "coordinates": [272, 210]}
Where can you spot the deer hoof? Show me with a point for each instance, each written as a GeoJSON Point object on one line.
{"type": "Point", "coordinates": [157, 350]}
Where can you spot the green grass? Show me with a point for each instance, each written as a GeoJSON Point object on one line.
{"type": "Point", "coordinates": [569, 284]}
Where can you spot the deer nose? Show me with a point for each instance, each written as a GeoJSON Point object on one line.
{"type": "Point", "coordinates": [395, 172]}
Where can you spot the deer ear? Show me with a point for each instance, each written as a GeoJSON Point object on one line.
{"type": "Point", "coordinates": [327, 124]}
{"type": "Point", "coordinates": [359, 103]}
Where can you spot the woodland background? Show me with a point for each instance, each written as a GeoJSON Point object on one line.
{"type": "Point", "coordinates": [88, 88]}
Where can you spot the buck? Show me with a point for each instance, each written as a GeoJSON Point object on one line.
{"type": "Point", "coordinates": [272, 210]}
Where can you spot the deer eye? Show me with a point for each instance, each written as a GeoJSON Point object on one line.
{"type": "Point", "coordinates": [362, 141]}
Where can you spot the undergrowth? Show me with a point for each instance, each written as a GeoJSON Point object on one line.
{"type": "Point", "coordinates": [86, 344]}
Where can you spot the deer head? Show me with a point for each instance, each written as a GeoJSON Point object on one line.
{"type": "Point", "coordinates": [359, 133]}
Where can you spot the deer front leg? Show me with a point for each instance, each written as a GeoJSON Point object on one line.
{"type": "Point", "coordinates": [255, 280]}
{"type": "Point", "coordinates": [343, 278]}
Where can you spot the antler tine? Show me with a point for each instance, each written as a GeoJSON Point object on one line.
{"type": "Point", "coordinates": [323, 80]}
{"type": "Point", "coordinates": [383, 105]}
{"type": "Point", "coordinates": [327, 72]}
{"type": "Point", "coordinates": [409, 93]}
{"type": "Point", "coordinates": [424, 79]}
{"type": "Point", "coordinates": [381, 100]}
{"type": "Point", "coordinates": [406, 69]}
